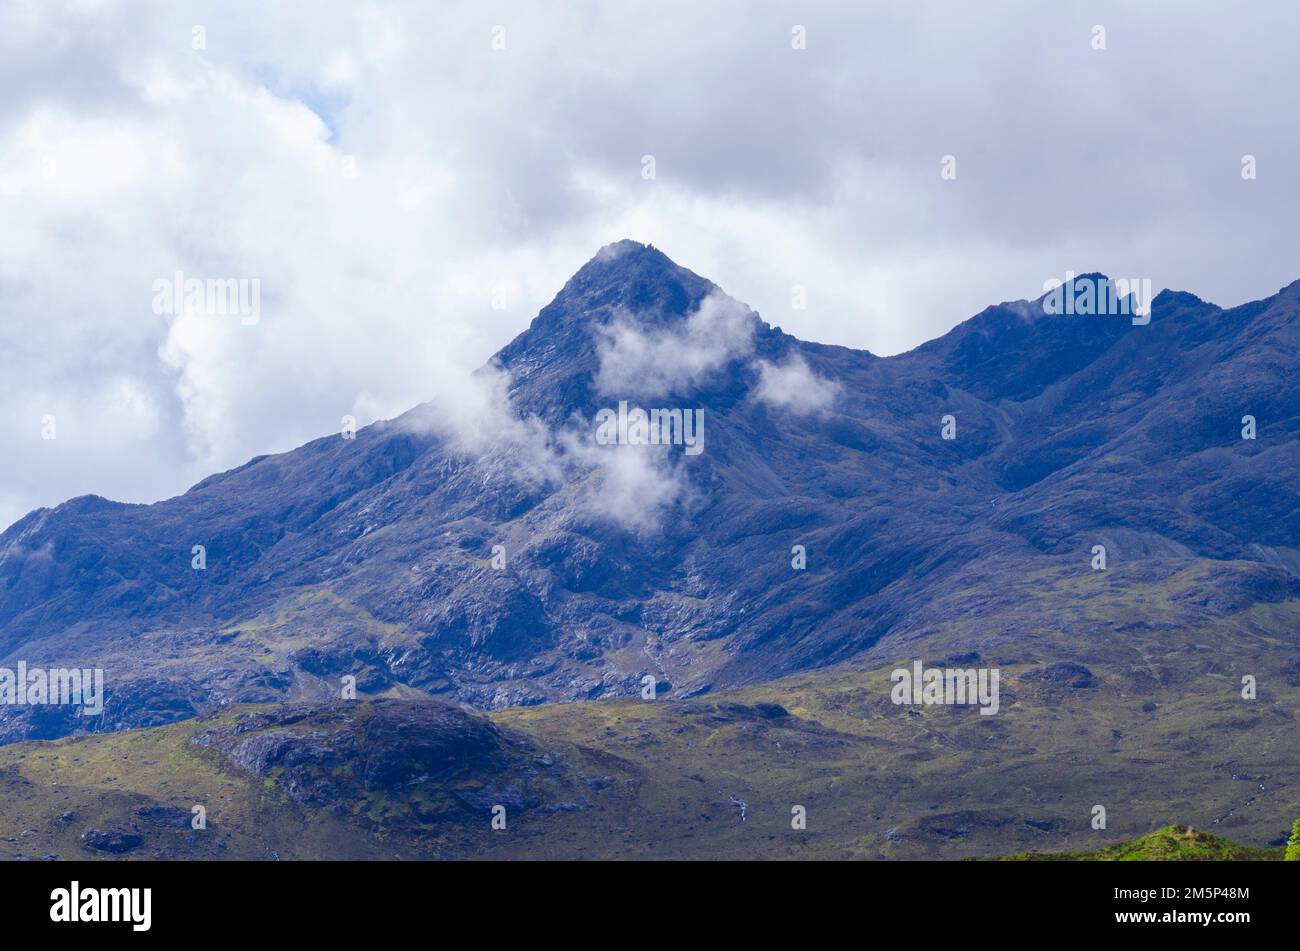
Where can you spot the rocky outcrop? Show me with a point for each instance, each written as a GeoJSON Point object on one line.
{"type": "Point", "coordinates": [334, 756]}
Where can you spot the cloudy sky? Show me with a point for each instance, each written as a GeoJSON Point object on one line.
{"type": "Point", "coordinates": [389, 172]}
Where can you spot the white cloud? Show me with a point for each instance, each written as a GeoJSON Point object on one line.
{"type": "Point", "coordinates": [635, 487]}
{"type": "Point", "coordinates": [628, 486]}
{"type": "Point", "coordinates": [794, 386]}
{"type": "Point", "coordinates": [381, 201]}
{"type": "Point", "coordinates": [656, 360]}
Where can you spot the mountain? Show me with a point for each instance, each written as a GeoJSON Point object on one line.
{"type": "Point", "coordinates": [373, 556]}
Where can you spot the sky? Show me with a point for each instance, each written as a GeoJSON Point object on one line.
{"type": "Point", "coordinates": [399, 188]}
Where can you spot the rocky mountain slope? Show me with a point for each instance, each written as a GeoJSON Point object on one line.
{"type": "Point", "coordinates": [373, 556]}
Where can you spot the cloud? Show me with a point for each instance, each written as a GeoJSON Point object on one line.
{"type": "Point", "coordinates": [386, 207]}
{"type": "Point", "coordinates": [634, 487]}
{"type": "Point", "coordinates": [650, 361]}
{"type": "Point", "coordinates": [630, 487]}
{"type": "Point", "coordinates": [793, 386]}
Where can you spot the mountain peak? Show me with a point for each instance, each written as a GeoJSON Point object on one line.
{"type": "Point", "coordinates": [1096, 278]}
{"type": "Point", "coordinates": [637, 276]}
{"type": "Point", "coordinates": [623, 278]}
{"type": "Point", "coordinates": [624, 247]}
{"type": "Point", "coordinates": [1169, 299]}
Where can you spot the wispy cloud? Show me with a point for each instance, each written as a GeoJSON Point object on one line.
{"type": "Point", "coordinates": [631, 487]}
{"type": "Point", "coordinates": [793, 386]}
{"type": "Point", "coordinates": [648, 361]}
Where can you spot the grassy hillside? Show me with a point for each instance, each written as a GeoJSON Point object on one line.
{"type": "Point", "coordinates": [1170, 844]}
{"type": "Point", "coordinates": [1158, 732]}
